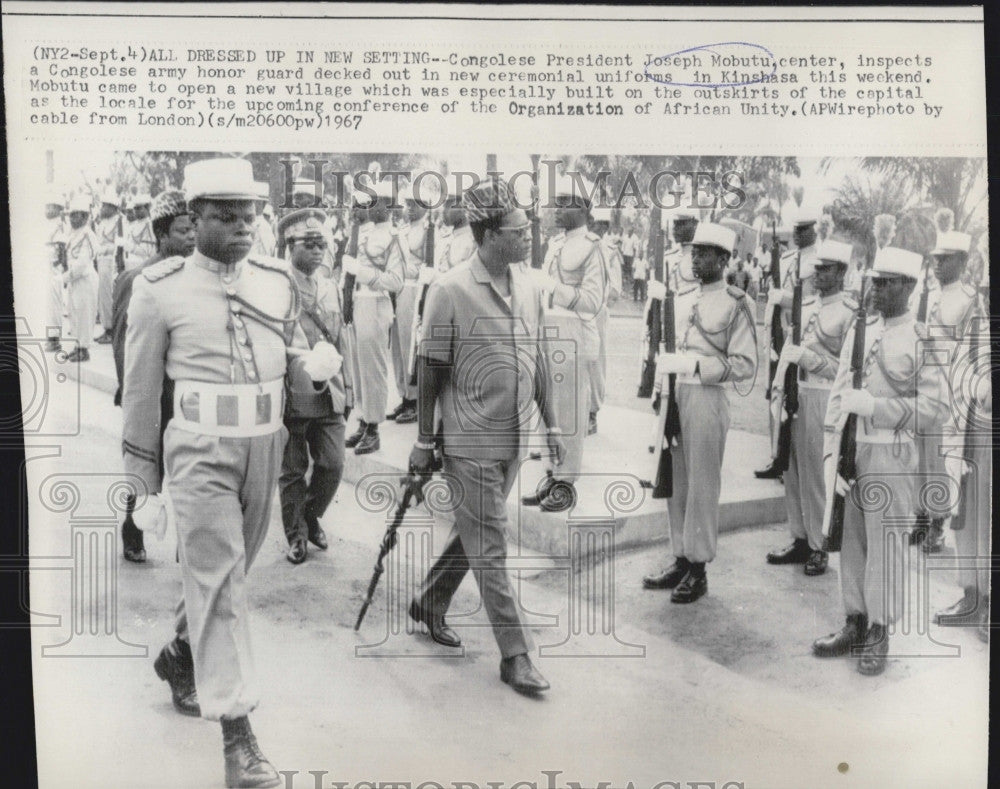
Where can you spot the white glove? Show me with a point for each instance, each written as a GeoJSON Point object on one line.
{"type": "Point", "coordinates": [791, 354]}
{"type": "Point", "coordinates": [322, 362]}
{"type": "Point", "coordinates": [544, 281]}
{"type": "Point", "coordinates": [956, 468]}
{"type": "Point", "coordinates": [681, 363]}
{"type": "Point", "coordinates": [350, 265]}
{"type": "Point", "coordinates": [656, 290]}
{"type": "Point", "coordinates": [426, 276]}
{"type": "Point", "coordinates": [153, 515]}
{"type": "Point", "coordinates": [857, 401]}
{"type": "Point", "coordinates": [774, 297]}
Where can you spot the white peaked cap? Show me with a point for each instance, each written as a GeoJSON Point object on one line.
{"type": "Point", "coordinates": [800, 217]}
{"type": "Point", "coordinates": [220, 179]}
{"type": "Point", "coordinates": [80, 202]}
{"type": "Point", "coordinates": [601, 214]}
{"type": "Point", "coordinates": [303, 187]}
{"type": "Point", "coordinates": [110, 196]}
{"type": "Point", "coordinates": [894, 261]}
{"type": "Point", "coordinates": [711, 234]}
{"type": "Point", "coordinates": [263, 189]}
{"type": "Point", "coordinates": [952, 241]}
{"type": "Point", "coordinates": [383, 189]}
{"type": "Point", "coordinates": [575, 186]}
{"type": "Point", "coordinates": [835, 252]}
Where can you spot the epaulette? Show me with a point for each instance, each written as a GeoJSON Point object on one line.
{"type": "Point", "coordinates": [872, 319]}
{"type": "Point", "coordinates": [163, 269]}
{"type": "Point", "coordinates": [735, 292]}
{"type": "Point", "coordinates": [920, 329]}
{"type": "Point", "coordinates": [686, 292]}
{"type": "Point", "coordinates": [272, 264]}
{"type": "Point", "coordinates": [851, 302]}
{"type": "Point", "coordinates": [970, 290]}
{"type": "Point", "coordinates": [790, 253]}
{"type": "Point", "coordinates": [593, 236]}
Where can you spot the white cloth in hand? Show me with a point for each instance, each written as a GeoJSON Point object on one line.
{"type": "Point", "coordinates": [681, 363]}
{"type": "Point", "coordinates": [656, 290]}
{"type": "Point", "coordinates": [322, 362]}
{"type": "Point", "coordinates": [791, 354]}
{"type": "Point", "coordinates": [858, 401]}
{"type": "Point", "coordinates": [774, 297]}
{"type": "Point", "coordinates": [350, 264]}
{"type": "Point", "coordinates": [153, 515]}
{"type": "Point", "coordinates": [426, 276]}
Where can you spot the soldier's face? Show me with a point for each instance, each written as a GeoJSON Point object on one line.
{"type": "Point", "coordinates": [804, 235]}
{"type": "Point", "coordinates": [414, 211]}
{"type": "Point", "coordinates": [180, 240]}
{"type": "Point", "coordinates": [307, 254]}
{"type": "Point", "coordinates": [78, 219]}
{"type": "Point", "coordinates": [140, 212]}
{"type": "Point", "coordinates": [53, 211]}
{"type": "Point", "coordinates": [225, 228]}
{"type": "Point", "coordinates": [108, 210]}
{"type": "Point", "coordinates": [708, 263]}
{"type": "Point", "coordinates": [379, 212]}
{"type": "Point", "coordinates": [684, 230]}
{"type": "Point", "coordinates": [569, 213]}
{"type": "Point", "coordinates": [948, 268]}
{"type": "Point", "coordinates": [891, 294]}
{"type": "Point", "coordinates": [829, 277]}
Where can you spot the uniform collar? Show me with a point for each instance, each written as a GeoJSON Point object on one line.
{"type": "Point", "coordinates": [952, 286]}
{"type": "Point", "coordinates": [576, 232]}
{"type": "Point", "coordinates": [714, 286]}
{"type": "Point", "coordinates": [382, 225]}
{"type": "Point", "coordinates": [464, 230]}
{"type": "Point", "coordinates": [301, 278]}
{"type": "Point", "coordinates": [898, 320]}
{"type": "Point", "coordinates": [213, 265]}
{"type": "Point", "coordinates": [833, 297]}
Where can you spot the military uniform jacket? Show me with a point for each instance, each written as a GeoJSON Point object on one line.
{"type": "Point", "coordinates": [54, 235]}
{"type": "Point", "coordinates": [788, 281]}
{"type": "Point", "coordinates": [718, 326]}
{"type": "Point", "coordinates": [579, 265]}
{"type": "Point", "coordinates": [950, 310]}
{"type": "Point", "coordinates": [141, 241]}
{"type": "Point", "coordinates": [196, 319]}
{"type": "Point", "coordinates": [456, 248]}
{"type": "Point", "coordinates": [613, 261]}
{"type": "Point", "coordinates": [381, 258]}
{"type": "Point", "coordinates": [81, 251]}
{"type": "Point", "coordinates": [320, 320]}
{"type": "Point", "coordinates": [826, 322]}
{"type": "Point", "coordinates": [108, 239]}
{"type": "Point", "coordinates": [909, 389]}
{"type": "Point", "coordinates": [411, 245]}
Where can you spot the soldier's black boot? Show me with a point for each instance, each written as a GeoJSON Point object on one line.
{"type": "Point", "coordinates": [873, 657]}
{"type": "Point", "coordinates": [133, 547]}
{"type": "Point", "coordinates": [246, 766]}
{"type": "Point", "coordinates": [357, 435]}
{"type": "Point", "coordinates": [541, 491]}
{"type": "Point", "coordinates": [592, 423]}
{"type": "Point", "coordinates": [175, 666]}
{"type": "Point", "coordinates": [560, 496]}
{"type": "Point", "coordinates": [669, 578]}
{"type": "Point", "coordinates": [965, 611]}
{"type": "Point", "coordinates": [408, 413]}
{"type": "Point", "coordinates": [935, 536]}
{"type": "Point", "coordinates": [694, 585]}
{"type": "Point", "coordinates": [840, 643]}
{"type": "Point", "coordinates": [369, 441]}
{"type": "Point", "coordinates": [920, 523]}
{"type": "Point", "coordinates": [817, 563]}
{"type": "Point", "coordinates": [770, 471]}
{"type": "Point", "coordinates": [796, 553]}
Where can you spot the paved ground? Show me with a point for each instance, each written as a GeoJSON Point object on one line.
{"type": "Point", "coordinates": [723, 690]}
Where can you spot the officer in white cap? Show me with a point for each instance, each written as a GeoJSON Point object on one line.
{"type": "Point", "coordinates": [951, 307]}
{"type": "Point", "coordinates": [576, 283]}
{"type": "Point", "coordinates": [601, 226]}
{"type": "Point", "coordinates": [81, 277]}
{"type": "Point", "coordinates": [54, 236]}
{"type": "Point", "coordinates": [902, 388]}
{"type": "Point", "coordinates": [218, 323]}
{"type": "Point", "coordinates": [718, 346]}
{"type": "Point", "coordinates": [456, 244]}
{"type": "Point", "coordinates": [795, 265]}
{"type": "Point", "coordinates": [140, 241]}
{"type": "Point", "coordinates": [314, 418]}
{"type": "Point", "coordinates": [678, 259]}
{"type": "Point", "coordinates": [378, 272]}
{"type": "Point", "coordinates": [110, 232]}
{"type": "Point", "coordinates": [826, 318]}
{"type": "Point", "coordinates": [410, 239]}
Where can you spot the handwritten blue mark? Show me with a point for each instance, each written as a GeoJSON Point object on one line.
{"type": "Point", "coordinates": [664, 60]}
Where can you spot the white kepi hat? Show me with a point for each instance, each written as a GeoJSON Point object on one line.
{"type": "Point", "coordinates": [952, 241]}
{"type": "Point", "coordinates": [80, 202]}
{"type": "Point", "coordinates": [220, 179]}
{"type": "Point", "coordinates": [892, 261]}
{"type": "Point", "coordinates": [713, 235]}
{"type": "Point", "coordinates": [835, 252]}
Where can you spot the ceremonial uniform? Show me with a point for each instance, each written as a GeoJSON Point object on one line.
{"type": "Point", "coordinates": [579, 266]}
{"type": "Point", "coordinates": [264, 244]}
{"type": "Point", "coordinates": [456, 248]}
{"type": "Point", "coordinates": [598, 368]}
{"type": "Point", "coordinates": [54, 237]}
{"type": "Point", "coordinates": [411, 247]}
{"type": "Point", "coordinates": [905, 389]}
{"type": "Point", "coordinates": [110, 239]}
{"type": "Point", "coordinates": [81, 284]}
{"type": "Point", "coordinates": [140, 241]}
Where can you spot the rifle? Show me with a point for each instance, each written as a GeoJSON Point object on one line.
{"type": "Point", "coordinates": [536, 223]}
{"type": "Point", "coordinates": [978, 351]}
{"type": "Point", "coordinates": [654, 311]}
{"type": "Point", "coordinates": [782, 448]}
{"type": "Point", "coordinates": [120, 246]}
{"type": "Point", "coordinates": [668, 426]}
{"type": "Point", "coordinates": [61, 257]}
{"type": "Point", "coordinates": [925, 292]}
{"type": "Point", "coordinates": [777, 330]}
{"type": "Point", "coordinates": [418, 313]}
{"type": "Point", "coordinates": [349, 279]}
{"type": "Point", "coordinates": [349, 339]}
{"type": "Point", "coordinates": [833, 512]}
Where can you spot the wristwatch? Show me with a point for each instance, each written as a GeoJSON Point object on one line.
{"type": "Point", "coordinates": [427, 446]}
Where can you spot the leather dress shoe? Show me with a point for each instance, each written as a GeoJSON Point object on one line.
{"type": "Point", "coordinates": [391, 416]}
{"type": "Point", "coordinates": [560, 497]}
{"type": "Point", "coordinates": [316, 534]}
{"type": "Point", "coordinates": [409, 413]}
{"type": "Point", "coordinates": [352, 440]}
{"type": "Point", "coordinates": [934, 541]}
{"type": "Point", "coordinates": [669, 578]}
{"type": "Point", "coordinates": [104, 339]}
{"type": "Point", "coordinates": [297, 550]}
{"type": "Point", "coordinates": [920, 523]}
{"type": "Point", "coordinates": [52, 345]}
{"type": "Point", "coordinates": [690, 588]}
{"type": "Point", "coordinates": [134, 554]}
{"type": "Point", "coordinates": [540, 492]}
{"type": "Point", "coordinates": [796, 553]}
{"type": "Point", "coordinates": [369, 441]}
{"type": "Point", "coordinates": [523, 677]}
{"type": "Point", "coordinates": [872, 659]}
{"type": "Point", "coordinates": [769, 472]}
{"type": "Point", "coordinates": [246, 765]}
{"type": "Point", "coordinates": [174, 666]}
{"type": "Point", "coordinates": [133, 548]}
{"type": "Point", "coordinates": [964, 612]}
{"type": "Point", "coordinates": [852, 634]}
{"type": "Point", "coordinates": [439, 631]}
{"type": "Point", "coordinates": [817, 563]}
{"type": "Point", "coordinates": [592, 424]}
{"type": "Point", "coordinates": [78, 355]}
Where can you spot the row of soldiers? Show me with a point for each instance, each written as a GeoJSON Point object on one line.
{"type": "Point", "coordinates": [924, 330]}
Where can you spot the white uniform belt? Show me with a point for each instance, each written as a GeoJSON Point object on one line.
{"type": "Point", "coordinates": [694, 380]}
{"type": "Point", "coordinates": [866, 434]}
{"type": "Point", "coordinates": [816, 383]}
{"type": "Point", "coordinates": [367, 293]}
{"type": "Point", "coordinates": [229, 410]}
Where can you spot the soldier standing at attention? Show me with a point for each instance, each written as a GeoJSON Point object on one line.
{"type": "Point", "coordinates": [140, 241]}
{"type": "Point", "coordinates": [55, 251]}
{"type": "Point", "coordinates": [899, 391]}
{"type": "Point", "coordinates": [81, 278]}
{"type": "Point", "coordinates": [458, 245]}
{"type": "Point", "coordinates": [826, 321]}
{"type": "Point", "coordinates": [378, 272]}
{"type": "Point", "coordinates": [718, 345]}
{"type": "Point", "coordinates": [110, 239]}
{"type": "Point", "coordinates": [217, 323]}
{"type": "Point", "coordinates": [314, 418]}
{"type": "Point", "coordinates": [598, 369]}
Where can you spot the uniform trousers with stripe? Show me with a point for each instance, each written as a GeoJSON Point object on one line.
{"type": "Point", "coordinates": [221, 490]}
{"type": "Point", "coordinates": [372, 320]}
{"type": "Point", "coordinates": [805, 493]}
{"type": "Point", "coordinates": [105, 291]}
{"type": "Point", "coordinates": [872, 553]}
{"type": "Point", "coordinates": [972, 535]}
{"type": "Point", "coordinates": [402, 338]}
{"type": "Point", "coordinates": [693, 509]}
{"type": "Point", "coordinates": [599, 366]}
{"type": "Point", "coordinates": [82, 302]}
{"type": "Point", "coordinates": [54, 313]}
